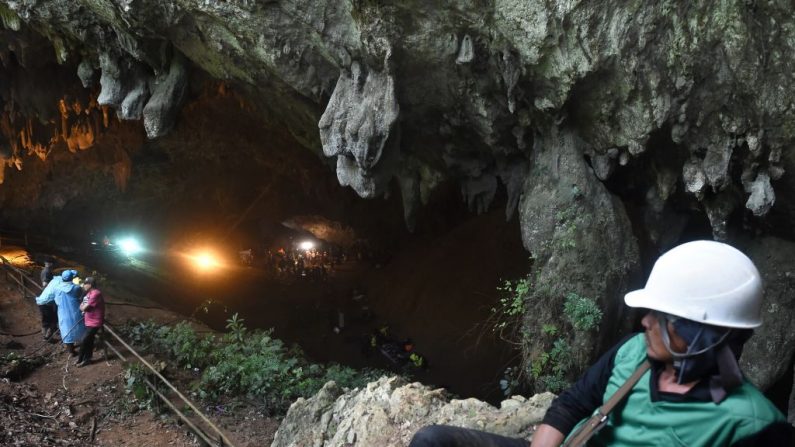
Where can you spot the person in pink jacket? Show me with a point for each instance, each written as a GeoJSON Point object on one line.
{"type": "Point", "coordinates": [93, 308]}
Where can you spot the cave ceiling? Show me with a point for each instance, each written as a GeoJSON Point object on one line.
{"type": "Point", "coordinates": [676, 107]}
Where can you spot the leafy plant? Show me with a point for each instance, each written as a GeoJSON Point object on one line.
{"type": "Point", "coordinates": [566, 227]}
{"type": "Point", "coordinates": [237, 331]}
{"type": "Point", "coordinates": [510, 307]}
{"type": "Point", "coordinates": [142, 397]}
{"type": "Point", "coordinates": [583, 313]}
{"type": "Point", "coordinates": [549, 329]}
{"type": "Point", "coordinates": [515, 295]}
{"type": "Point", "coordinates": [185, 345]}
{"type": "Point", "coordinates": [141, 334]}
{"type": "Point", "coordinates": [551, 366]}
{"type": "Point", "coordinates": [244, 362]}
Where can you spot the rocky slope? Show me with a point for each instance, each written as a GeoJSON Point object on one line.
{"type": "Point", "coordinates": [389, 412]}
{"type": "Point", "coordinates": [644, 123]}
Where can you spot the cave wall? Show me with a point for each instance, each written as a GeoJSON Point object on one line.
{"type": "Point", "coordinates": [672, 109]}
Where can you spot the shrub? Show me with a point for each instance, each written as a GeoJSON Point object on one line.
{"type": "Point", "coordinates": [248, 363]}
{"type": "Point", "coordinates": [508, 312]}
{"type": "Point", "coordinates": [142, 397]}
{"type": "Point", "coordinates": [185, 345]}
{"type": "Point", "coordinates": [583, 313]}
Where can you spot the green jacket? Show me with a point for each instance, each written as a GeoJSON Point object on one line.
{"type": "Point", "coordinates": [637, 421]}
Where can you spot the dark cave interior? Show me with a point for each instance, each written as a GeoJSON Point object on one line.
{"type": "Point", "coordinates": [227, 178]}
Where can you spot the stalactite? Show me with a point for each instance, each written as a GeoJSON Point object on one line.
{"type": "Point", "coordinates": [105, 111]}
{"type": "Point", "coordinates": [81, 136]}
{"type": "Point", "coordinates": [79, 127]}
{"type": "Point", "coordinates": [64, 117]}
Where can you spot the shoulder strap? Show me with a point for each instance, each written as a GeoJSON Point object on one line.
{"type": "Point", "coordinates": [592, 426]}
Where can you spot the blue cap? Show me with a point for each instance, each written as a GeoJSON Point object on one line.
{"type": "Point", "coordinates": [68, 275]}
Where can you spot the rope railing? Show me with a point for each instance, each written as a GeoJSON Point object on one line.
{"type": "Point", "coordinates": [19, 276]}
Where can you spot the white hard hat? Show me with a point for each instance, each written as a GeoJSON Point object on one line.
{"type": "Point", "coordinates": [704, 281]}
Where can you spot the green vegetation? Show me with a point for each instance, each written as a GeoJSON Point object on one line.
{"type": "Point", "coordinates": [583, 313]}
{"type": "Point", "coordinates": [553, 343]}
{"type": "Point", "coordinates": [511, 305]}
{"type": "Point", "coordinates": [242, 363]}
{"type": "Point", "coordinates": [143, 398]}
{"type": "Point", "coordinates": [566, 226]}
{"type": "Point", "coordinates": [551, 367]}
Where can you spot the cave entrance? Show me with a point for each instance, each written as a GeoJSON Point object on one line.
{"type": "Point", "coordinates": [230, 181]}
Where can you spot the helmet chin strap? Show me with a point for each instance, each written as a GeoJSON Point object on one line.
{"type": "Point", "coordinates": [663, 322]}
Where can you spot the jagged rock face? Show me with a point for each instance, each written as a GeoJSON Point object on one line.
{"type": "Point", "coordinates": [356, 128]}
{"type": "Point", "coordinates": [563, 206]}
{"type": "Point", "coordinates": [681, 109]}
{"type": "Point", "coordinates": [389, 412]}
{"type": "Point", "coordinates": [469, 81]}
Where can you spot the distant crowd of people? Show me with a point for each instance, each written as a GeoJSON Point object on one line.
{"type": "Point", "coordinates": [312, 264]}
{"type": "Point", "coordinates": [73, 307]}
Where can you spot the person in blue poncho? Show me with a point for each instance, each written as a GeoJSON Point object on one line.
{"type": "Point", "coordinates": [48, 309]}
{"type": "Point", "coordinates": [70, 320]}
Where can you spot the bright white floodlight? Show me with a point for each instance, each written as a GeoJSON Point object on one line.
{"type": "Point", "coordinates": [129, 246]}
{"type": "Point", "coordinates": [307, 245]}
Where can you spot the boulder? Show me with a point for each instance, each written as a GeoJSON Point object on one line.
{"type": "Point", "coordinates": [389, 411]}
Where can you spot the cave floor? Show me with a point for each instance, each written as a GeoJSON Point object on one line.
{"type": "Point", "coordinates": [435, 290]}
{"type": "Point", "coordinates": [55, 403]}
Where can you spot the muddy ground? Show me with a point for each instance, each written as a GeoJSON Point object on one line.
{"type": "Point", "coordinates": [46, 401]}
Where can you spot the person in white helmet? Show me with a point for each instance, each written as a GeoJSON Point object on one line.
{"type": "Point", "coordinates": [703, 300]}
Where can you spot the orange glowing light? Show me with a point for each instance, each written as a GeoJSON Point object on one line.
{"type": "Point", "coordinates": [205, 261]}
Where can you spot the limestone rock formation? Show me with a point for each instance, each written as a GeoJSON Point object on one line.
{"type": "Point", "coordinates": [359, 129]}
{"type": "Point", "coordinates": [563, 206]}
{"type": "Point", "coordinates": [775, 339]}
{"type": "Point", "coordinates": [389, 412]}
{"type": "Point", "coordinates": [702, 84]}
{"type": "Point", "coordinates": [168, 91]}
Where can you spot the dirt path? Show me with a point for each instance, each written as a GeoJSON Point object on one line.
{"type": "Point", "coordinates": [56, 403]}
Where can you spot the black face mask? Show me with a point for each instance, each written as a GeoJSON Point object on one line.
{"type": "Point", "coordinates": [712, 352]}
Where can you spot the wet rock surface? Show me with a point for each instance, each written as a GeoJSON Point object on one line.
{"type": "Point", "coordinates": [389, 412]}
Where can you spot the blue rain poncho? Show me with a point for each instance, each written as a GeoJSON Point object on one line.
{"type": "Point", "coordinates": [70, 320]}
{"type": "Point", "coordinates": [48, 294]}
